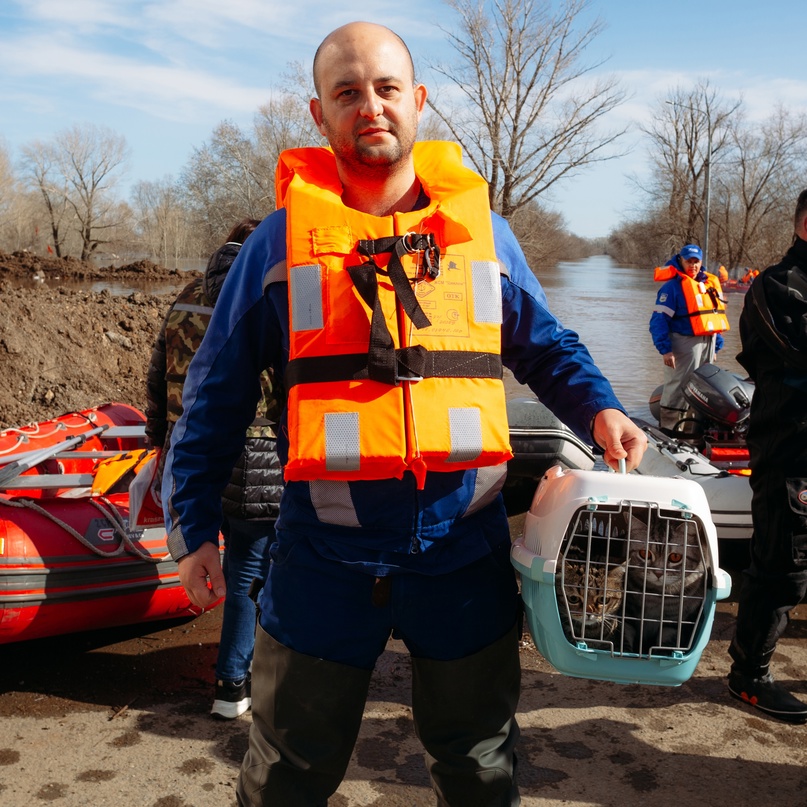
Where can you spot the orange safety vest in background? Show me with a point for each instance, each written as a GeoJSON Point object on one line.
{"type": "Point", "coordinates": [391, 369]}
{"type": "Point", "coordinates": [705, 305]}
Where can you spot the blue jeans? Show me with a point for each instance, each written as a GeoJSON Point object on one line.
{"type": "Point", "coordinates": [246, 556]}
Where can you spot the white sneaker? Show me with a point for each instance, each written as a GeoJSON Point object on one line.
{"type": "Point", "coordinates": [232, 698]}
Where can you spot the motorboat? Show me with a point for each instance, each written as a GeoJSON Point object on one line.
{"type": "Point", "coordinates": [708, 445]}
{"type": "Point", "coordinates": [68, 559]}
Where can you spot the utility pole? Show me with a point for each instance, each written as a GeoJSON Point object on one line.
{"type": "Point", "coordinates": [707, 214]}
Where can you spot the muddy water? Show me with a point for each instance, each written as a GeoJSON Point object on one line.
{"type": "Point", "coordinates": [609, 306]}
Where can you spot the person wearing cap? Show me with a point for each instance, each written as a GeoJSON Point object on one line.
{"type": "Point", "coordinates": [689, 316]}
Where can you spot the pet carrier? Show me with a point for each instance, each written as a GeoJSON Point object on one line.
{"type": "Point", "coordinates": [619, 575]}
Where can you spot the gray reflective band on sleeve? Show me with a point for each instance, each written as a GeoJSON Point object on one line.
{"type": "Point", "coordinates": [194, 309]}
{"type": "Point", "coordinates": [277, 274]}
{"type": "Point", "coordinates": [489, 481]}
{"type": "Point", "coordinates": [487, 291]}
{"type": "Point", "coordinates": [306, 297]}
{"type": "Point", "coordinates": [333, 502]}
{"type": "Point", "coordinates": [342, 451]}
{"type": "Point", "coordinates": [465, 427]}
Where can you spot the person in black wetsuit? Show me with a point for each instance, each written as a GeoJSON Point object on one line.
{"type": "Point", "coordinates": [773, 329]}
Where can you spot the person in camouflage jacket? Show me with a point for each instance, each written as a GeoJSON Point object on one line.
{"type": "Point", "coordinates": [251, 498]}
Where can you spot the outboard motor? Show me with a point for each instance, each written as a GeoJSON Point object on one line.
{"type": "Point", "coordinates": [719, 406]}
{"type": "Point", "coordinates": [720, 396]}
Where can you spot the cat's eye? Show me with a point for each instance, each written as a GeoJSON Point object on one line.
{"type": "Point", "coordinates": [675, 557]}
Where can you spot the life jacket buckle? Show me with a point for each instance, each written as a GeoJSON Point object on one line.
{"type": "Point", "coordinates": [399, 378]}
{"type": "Point", "coordinates": [424, 243]}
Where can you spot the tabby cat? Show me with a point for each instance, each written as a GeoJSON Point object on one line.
{"type": "Point", "coordinates": [665, 585]}
{"type": "Point", "coordinates": [590, 602]}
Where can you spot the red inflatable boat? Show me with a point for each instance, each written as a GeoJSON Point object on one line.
{"type": "Point", "coordinates": [68, 561]}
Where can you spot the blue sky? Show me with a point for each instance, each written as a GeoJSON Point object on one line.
{"type": "Point", "coordinates": [164, 73]}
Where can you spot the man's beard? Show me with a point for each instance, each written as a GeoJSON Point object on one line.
{"type": "Point", "coordinates": [358, 154]}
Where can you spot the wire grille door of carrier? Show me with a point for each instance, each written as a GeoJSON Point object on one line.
{"type": "Point", "coordinates": [631, 579]}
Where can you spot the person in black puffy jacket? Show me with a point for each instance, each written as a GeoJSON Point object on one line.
{"type": "Point", "coordinates": [250, 499]}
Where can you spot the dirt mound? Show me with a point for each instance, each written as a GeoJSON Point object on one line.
{"type": "Point", "coordinates": [62, 349]}
{"type": "Point", "coordinates": [26, 265]}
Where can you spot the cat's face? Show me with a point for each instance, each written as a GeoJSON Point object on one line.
{"type": "Point", "coordinates": [593, 596]}
{"type": "Point", "coordinates": [665, 556]}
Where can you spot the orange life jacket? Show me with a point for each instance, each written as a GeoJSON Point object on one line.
{"type": "Point", "coordinates": [664, 273]}
{"type": "Point", "coordinates": [391, 369]}
{"type": "Point", "coordinates": [705, 304]}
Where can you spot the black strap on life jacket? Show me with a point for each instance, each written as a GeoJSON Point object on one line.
{"type": "Point", "coordinates": [381, 360]}
{"type": "Point", "coordinates": [413, 363]}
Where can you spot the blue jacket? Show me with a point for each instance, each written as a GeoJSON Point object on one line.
{"type": "Point", "coordinates": [395, 526]}
{"type": "Point", "coordinates": [670, 314]}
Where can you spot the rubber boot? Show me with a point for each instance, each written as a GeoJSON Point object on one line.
{"type": "Point", "coordinates": [464, 713]}
{"type": "Point", "coordinates": [306, 715]}
{"type": "Point", "coordinates": [761, 620]}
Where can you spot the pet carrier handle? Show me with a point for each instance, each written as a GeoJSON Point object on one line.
{"type": "Point", "coordinates": [723, 587]}
{"type": "Point", "coordinates": [622, 466]}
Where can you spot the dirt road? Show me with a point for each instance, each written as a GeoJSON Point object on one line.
{"type": "Point", "coordinates": [109, 718]}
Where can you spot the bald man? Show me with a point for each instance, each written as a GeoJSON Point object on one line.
{"type": "Point", "coordinates": [388, 297]}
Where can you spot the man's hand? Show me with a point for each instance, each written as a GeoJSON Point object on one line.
{"type": "Point", "coordinates": [201, 575]}
{"type": "Point", "coordinates": [620, 438]}
{"type": "Point", "coordinates": [669, 360]}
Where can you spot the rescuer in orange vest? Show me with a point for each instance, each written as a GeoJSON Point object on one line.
{"type": "Point", "coordinates": [689, 314]}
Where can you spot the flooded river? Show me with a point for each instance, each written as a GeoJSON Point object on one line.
{"type": "Point", "coordinates": [609, 306]}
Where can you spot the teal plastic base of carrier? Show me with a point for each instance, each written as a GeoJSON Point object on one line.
{"type": "Point", "coordinates": [579, 661]}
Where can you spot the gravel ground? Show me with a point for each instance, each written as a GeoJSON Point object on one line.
{"type": "Point", "coordinates": [99, 718]}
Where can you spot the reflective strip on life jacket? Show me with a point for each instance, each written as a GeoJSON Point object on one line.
{"type": "Point", "coordinates": [390, 368]}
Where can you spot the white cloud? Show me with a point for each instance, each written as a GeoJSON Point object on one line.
{"type": "Point", "coordinates": [165, 90]}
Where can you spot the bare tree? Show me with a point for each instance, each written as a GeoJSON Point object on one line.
{"type": "Point", "coordinates": [162, 220]}
{"type": "Point", "coordinates": [233, 175]}
{"type": "Point", "coordinates": [7, 179]}
{"type": "Point", "coordinates": [522, 107]}
{"type": "Point", "coordinates": [756, 196]}
{"type": "Point", "coordinates": [75, 174]}
{"type": "Point", "coordinates": [90, 158]}
{"type": "Point", "coordinates": [690, 133]}
{"type": "Point", "coordinates": [705, 155]}
{"type": "Point", "coordinates": [283, 123]}
{"type": "Point", "coordinates": [10, 197]}
{"type": "Point", "coordinates": [224, 181]}
{"type": "Point", "coordinates": [39, 170]}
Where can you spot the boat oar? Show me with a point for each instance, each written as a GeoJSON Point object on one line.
{"type": "Point", "coordinates": [33, 458]}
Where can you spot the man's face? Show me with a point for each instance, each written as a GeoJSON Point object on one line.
{"type": "Point", "coordinates": [692, 265]}
{"type": "Point", "coordinates": [368, 108]}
